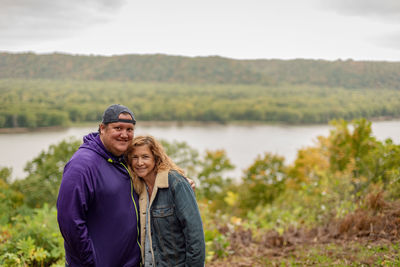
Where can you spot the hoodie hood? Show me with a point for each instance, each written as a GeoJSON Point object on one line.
{"type": "Point", "coordinates": [93, 142]}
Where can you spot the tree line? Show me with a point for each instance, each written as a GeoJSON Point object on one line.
{"type": "Point", "coordinates": [213, 69]}
{"type": "Point", "coordinates": [38, 103]}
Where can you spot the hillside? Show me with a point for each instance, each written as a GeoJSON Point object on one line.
{"type": "Point", "coordinates": [211, 70]}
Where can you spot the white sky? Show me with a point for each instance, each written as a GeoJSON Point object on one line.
{"type": "Point", "coordinates": [241, 29]}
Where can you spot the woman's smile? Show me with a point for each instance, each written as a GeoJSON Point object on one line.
{"type": "Point", "coordinates": [143, 162]}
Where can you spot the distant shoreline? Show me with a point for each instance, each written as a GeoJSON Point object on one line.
{"type": "Point", "coordinates": [169, 124]}
{"type": "Point", "coordinates": [28, 130]}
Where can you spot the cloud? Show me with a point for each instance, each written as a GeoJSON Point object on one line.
{"type": "Point", "coordinates": [22, 21]}
{"type": "Point", "coordinates": [382, 9]}
{"type": "Point", "coordinates": [390, 40]}
{"type": "Point", "coordinates": [380, 18]}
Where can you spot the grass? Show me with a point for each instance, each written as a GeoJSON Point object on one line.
{"type": "Point", "coordinates": [341, 253]}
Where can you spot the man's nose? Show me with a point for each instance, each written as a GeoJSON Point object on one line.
{"type": "Point", "coordinates": [124, 133]}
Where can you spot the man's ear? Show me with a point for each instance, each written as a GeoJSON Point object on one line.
{"type": "Point", "coordinates": [101, 128]}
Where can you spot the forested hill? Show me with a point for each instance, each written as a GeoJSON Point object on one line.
{"type": "Point", "coordinates": [215, 70]}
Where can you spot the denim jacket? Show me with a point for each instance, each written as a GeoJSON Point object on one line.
{"type": "Point", "coordinates": [175, 228]}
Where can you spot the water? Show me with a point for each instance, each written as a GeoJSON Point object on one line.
{"type": "Point", "coordinates": [242, 143]}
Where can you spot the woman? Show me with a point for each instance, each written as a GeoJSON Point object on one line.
{"type": "Point", "coordinates": [171, 228]}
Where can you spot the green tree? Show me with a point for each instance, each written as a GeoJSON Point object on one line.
{"type": "Point", "coordinates": [212, 168]}
{"type": "Point", "coordinates": [45, 173]}
{"type": "Point", "coordinates": [183, 155]}
{"type": "Point", "coordinates": [357, 152]}
{"type": "Point", "coordinates": [10, 199]}
{"type": "Point", "coordinates": [264, 180]}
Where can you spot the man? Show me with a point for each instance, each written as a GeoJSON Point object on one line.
{"type": "Point", "coordinates": [97, 207]}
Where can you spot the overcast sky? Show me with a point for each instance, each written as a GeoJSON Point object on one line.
{"type": "Point", "coordinates": [241, 29]}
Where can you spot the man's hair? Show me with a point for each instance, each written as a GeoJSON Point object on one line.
{"type": "Point", "coordinates": [106, 124]}
{"type": "Point", "coordinates": [111, 114]}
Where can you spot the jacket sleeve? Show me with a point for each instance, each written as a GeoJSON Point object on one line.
{"type": "Point", "coordinates": [72, 207]}
{"type": "Point", "coordinates": [189, 216]}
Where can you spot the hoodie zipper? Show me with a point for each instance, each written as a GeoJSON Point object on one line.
{"type": "Point", "coordinates": [133, 200]}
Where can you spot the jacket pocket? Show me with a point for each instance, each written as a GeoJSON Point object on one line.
{"type": "Point", "coordinates": [162, 212]}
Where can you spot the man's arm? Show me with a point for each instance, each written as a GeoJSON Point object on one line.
{"type": "Point", "coordinates": [72, 206]}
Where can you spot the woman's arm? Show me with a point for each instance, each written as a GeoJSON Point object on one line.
{"type": "Point", "coordinates": [188, 214]}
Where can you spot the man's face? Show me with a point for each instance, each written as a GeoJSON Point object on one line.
{"type": "Point", "coordinates": [117, 136]}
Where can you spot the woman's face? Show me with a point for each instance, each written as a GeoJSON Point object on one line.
{"type": "Point", "coordinates": [143, 162]}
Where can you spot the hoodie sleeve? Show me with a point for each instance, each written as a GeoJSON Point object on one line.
{"type": "Point", "coordinates": [72, 207]}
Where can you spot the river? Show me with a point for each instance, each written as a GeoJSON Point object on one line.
{"type": "Point", "coordinates": [241, 142]}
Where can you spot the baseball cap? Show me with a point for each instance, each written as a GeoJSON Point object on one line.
{"type": "Point", "coordinates": [111, 114]}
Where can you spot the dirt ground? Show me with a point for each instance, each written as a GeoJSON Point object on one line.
{"type": "Point", "coordinates": [375, 227]}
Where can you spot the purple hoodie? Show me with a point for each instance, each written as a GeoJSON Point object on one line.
{"type": "Point", "coordinates": [97, 209]}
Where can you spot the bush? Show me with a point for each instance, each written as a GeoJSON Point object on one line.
{"type": "Point", "coordinates": [264, 180]}
{"type": "Point", "coordinates": [32, 240]}
{"type": "Point", "coordinates": [10, 200]}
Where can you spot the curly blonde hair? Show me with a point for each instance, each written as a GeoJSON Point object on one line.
{"type": "Point", "coordinates": [162, 161]}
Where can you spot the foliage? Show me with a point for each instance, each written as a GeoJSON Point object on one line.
{"type": "Point", "coordinates": [307, 205]}
{"type": "Point", "coordinates": [10, 199]}
{"type": "Point", "coordinates": [208, 171]}
{"type": "Point", "coordinates": [328, 181]}
{"type": "Point", "coordinates": [35, 103]}
{"type": "Point", "coordinates": [204, 70]}
{"type": "Point", "coordinates": [183, 155]}
{"type": "Point", "coordinates": [32, 240]}
{"type": "Point", "coordinates": [264, 180]}
{"type": "Point", "coordinates": [5, 175]}
{"type": "Point", "coordinates": [216, 242]}
{"type": "Point", "coordinates": [212, 167]}
{"type": "Point", "coordinates": [358, 153]}
{"type": "Point", "coordinates": [45, 173]}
